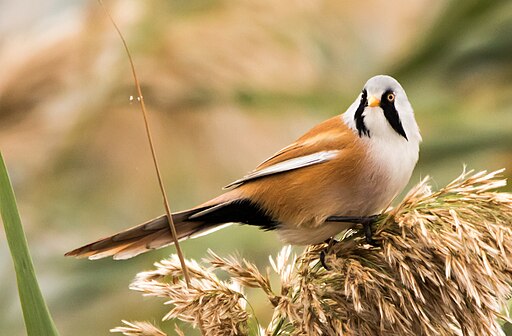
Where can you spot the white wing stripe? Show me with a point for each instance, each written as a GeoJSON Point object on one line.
{"type": "Point", "coordinates": [291, 164]}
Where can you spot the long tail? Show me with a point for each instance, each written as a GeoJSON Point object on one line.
{"type": "Point", "coordinates": [156, 233]}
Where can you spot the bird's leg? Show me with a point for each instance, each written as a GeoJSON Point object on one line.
{"type": "Point", "coordinates": [365, 221]}
{"type": "Point", "coordinates": [353, 219]}
{"type": "Point", "coordinates": [330, 242]}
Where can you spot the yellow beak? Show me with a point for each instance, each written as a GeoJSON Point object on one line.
{"type": "Point", "coordinates": [373, 102]}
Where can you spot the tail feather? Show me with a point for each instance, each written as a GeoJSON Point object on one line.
{"type": "Point", "coordinates": [156, 233]}
{"type": "Point", "coordinates": [147, 236]}
{"type": "Point", "coordinates": [142, 246]}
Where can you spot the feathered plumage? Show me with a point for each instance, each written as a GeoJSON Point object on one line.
{"type": "Point", "coordinates": [349, 165]}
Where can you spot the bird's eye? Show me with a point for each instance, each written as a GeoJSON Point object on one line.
{"type": "Point", "coordinates": [390, 97]}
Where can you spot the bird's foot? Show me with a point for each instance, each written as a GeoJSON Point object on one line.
{"type": "Point", "coordinates": [368, 234]}
{"type": "Point", "coordinates": [322, 260]}
{"type": "Point", "coordinates": [330, 242]}
{"type": "Point", "coordinates": [367, 223]}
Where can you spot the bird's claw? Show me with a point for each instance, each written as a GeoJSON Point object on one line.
{"type": "Point", "coordinates": [330, 242]}
{"type": "Point", "coordinates": [367, 223]}
{"type": "Point", "coordinates": [368, 234]}
{"type": "Point", "coordinates": [322, 260]}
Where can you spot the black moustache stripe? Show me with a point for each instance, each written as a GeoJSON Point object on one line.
{"type": "Point", "coordinates": [391, 114]}
{"type": "Point", "coordinates": [359, 117]}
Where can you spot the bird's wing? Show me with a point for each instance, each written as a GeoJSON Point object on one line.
{"type": "Point", "coordinates": [291, 164]}
{"type": "Point", "coordinates": [321, 144]}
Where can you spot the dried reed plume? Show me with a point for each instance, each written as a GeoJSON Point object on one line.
{"type": "Point", "coordinates": [442, 267]}
{"type": "Point", "coordinates": [138, 329]}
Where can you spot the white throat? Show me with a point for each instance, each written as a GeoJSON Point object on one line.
{"type": "Point", "coordinates": [391, 155]}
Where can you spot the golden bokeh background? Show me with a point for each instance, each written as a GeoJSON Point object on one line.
{"type": "Point", "coordinates": [227, 84]}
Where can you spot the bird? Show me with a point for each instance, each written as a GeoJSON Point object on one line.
{"type": "Point", "coordinates": [349, 166]}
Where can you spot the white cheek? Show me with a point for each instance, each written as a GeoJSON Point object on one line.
{"type": "Point", "coordinates": [377, 123]}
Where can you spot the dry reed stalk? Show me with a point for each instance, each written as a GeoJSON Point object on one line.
{"type": "Point", "coordinates": [149, 136]}
{"type": "Point", "coordinates": [442, 267]}
{"type": "Point", "coordinates": [137, 328]}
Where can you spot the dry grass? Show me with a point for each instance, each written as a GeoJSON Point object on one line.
{"type": "Point", "coordinates": [443, 267]}
{"type": "Point", "coordinates": [138, 329]}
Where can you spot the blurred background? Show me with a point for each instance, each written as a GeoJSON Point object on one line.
{"type": "Point", "coordinates": [227, 84]}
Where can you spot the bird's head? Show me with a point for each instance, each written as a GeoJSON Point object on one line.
{"type": "Point", "coordinates": [383, 110]}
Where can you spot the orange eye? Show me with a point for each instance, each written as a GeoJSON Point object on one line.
{"type": "Point", "coordinates": [390, 97]}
